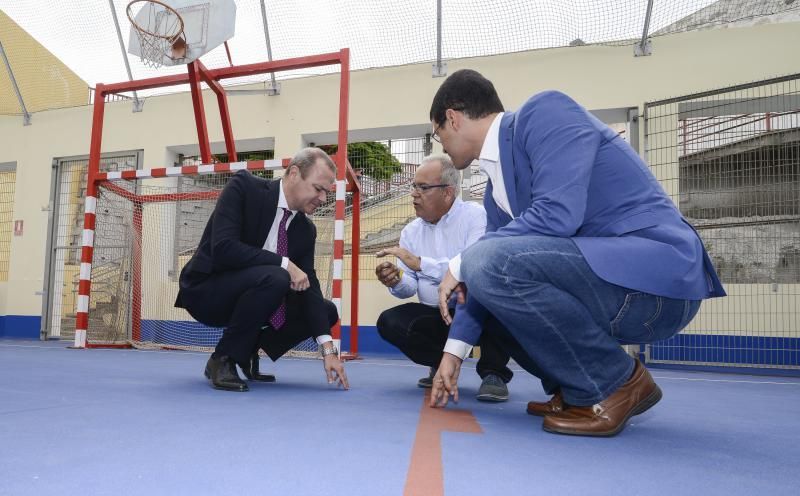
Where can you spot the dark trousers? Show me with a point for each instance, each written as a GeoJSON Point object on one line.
{"type": "Point", "coordinates": [242, 302]}
{"type": "Point", "coordinates": [420, 333]}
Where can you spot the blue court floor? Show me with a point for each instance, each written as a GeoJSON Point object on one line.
{"type": "Point", "coordinates": [126, 422]}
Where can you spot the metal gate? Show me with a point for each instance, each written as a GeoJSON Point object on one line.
{"type": "Point", "coordinates": [730, 159]}
{"type": "Point", "coordinates": [65, 233]}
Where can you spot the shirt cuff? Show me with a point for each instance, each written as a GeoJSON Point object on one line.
{"type": "Point", "coordinates": [324, 339]}
{"type": "Point", "coordinates": [396, 288]}
{"type": "Point", "coordinates": [457, 348]}
{"type": "Point", "coordinates": [284, 262]}
{"type": "Point", "coordinates": [430, 268]}
{"type": "Point", "coordinates": [455, 267]}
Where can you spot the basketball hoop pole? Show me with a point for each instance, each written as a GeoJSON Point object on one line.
{"type": "Point", "coordinates": [199, 114]}
{"type": "Point", "coordinates": [228, 51]}
{"type": "Point", "coordinates": [222, 101]}
{"type": "Point", "coordinates": [236, 71]}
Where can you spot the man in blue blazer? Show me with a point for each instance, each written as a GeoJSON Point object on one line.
{"type": "Point", "coordinates": [583, 251]}
{"type": "Point", "coordinates": [253, 272]}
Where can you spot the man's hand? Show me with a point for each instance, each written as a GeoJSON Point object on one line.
{"type": "Point", "coordinates": [388, 274]}
{"type": "Point", "coordinates": [334, 369]}
{"type": "Point", "coordinates": [445, 382]}
{"type": "Point", "coordinates": [446, 288]}
{"type": "Point", "coordinates": [299, 279]}
{"type": "Point", "coordinates": [412, 261]}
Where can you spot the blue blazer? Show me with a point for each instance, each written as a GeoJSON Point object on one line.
{"type": "Point", "coordinates": [569, 175]}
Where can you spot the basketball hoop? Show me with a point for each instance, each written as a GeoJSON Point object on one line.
{"type": "Point", "coordinates": [160, 35]}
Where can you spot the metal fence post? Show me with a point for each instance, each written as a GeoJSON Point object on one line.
{"type": "Point", "coordinates": [643, 48]}
{"type": "Point", "coordinates": [275, 87]}
{"type": "Point", "coordinates": [137, 104]}
{"type": "Point", "coordinates": [439, 68]}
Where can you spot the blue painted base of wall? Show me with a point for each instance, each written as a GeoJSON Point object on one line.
{"type": "Point", "coordinates": [20, 326]}
{"type": "Point", "coordinates": [698, 348]}
{"type": "Point", "coordinates": [195, 334]}
{"type": "Point", "coordinates": [369, 341]}
{"type": "Point", "coordinates": [750, 350]}
{"type": "Point", "coordinates": [180, 333]}
{"type": "Point", "coordinates": [760, 371]}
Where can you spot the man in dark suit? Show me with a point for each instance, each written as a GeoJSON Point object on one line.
{"type": "Point", "coordinates": [583, 251]}
{"type": "Point", "coordinates": [253, 272]}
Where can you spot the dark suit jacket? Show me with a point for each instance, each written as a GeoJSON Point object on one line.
{"type": "Point", "coordinates": [236, 232]}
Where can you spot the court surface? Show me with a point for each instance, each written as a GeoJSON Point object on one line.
{"type": "Point", "coordinates": [126, 422]}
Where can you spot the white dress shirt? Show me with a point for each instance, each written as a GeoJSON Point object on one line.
{"type": "Point", "coordinates": [489, 161]}
{"type": "Point", "coordinates": [271, 244]}
{"type": "Point", "coordinates": [436, 244]}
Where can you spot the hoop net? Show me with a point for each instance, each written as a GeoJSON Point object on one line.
{"type": "Point", "coordinates": [159, 31]}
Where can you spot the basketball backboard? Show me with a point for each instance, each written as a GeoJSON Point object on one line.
{"type": "Point", "coordinates": [175, 32]}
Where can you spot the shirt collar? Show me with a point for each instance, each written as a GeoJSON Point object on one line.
{"type": "Point", "coordinates": [491, 144]}
{"type": "Point", "coordinates": [282, 203]}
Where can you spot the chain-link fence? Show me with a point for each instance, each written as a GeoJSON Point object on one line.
{"type": "Point", "coordinates": [385, 170]}
{"type": "Point", "coordinates": [730, 158]}
{"type": "Point", "coordinates": [64, 257]}
{"type": "Point", "coordinates": [8, 179]}
{"type": "Point", "coordinates": [386, 205]}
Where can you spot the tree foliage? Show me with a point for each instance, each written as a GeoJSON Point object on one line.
{"type": "Point", "coordinates": [371, 158]}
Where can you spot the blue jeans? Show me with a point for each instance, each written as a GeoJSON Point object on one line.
{"type": "Point", "coordinates": [561, 322]}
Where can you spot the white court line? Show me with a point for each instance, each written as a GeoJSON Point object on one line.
{"type": "Point", "coordinates": [691, 379]}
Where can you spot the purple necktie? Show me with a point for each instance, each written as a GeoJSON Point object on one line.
{"type": "Point", "coordinates": [279, 317]}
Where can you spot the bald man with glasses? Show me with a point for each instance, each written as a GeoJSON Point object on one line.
{"type": "Point", "coordinates": [445, 226]}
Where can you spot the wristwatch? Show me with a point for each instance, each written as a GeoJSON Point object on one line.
{"type": "Point", "coordinates": [325, 351]}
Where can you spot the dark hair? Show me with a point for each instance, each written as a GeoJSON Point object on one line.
{"type": "Point", "coordinates": [465, 90]}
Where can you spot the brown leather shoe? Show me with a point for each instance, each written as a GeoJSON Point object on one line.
{"type": "Point", "coordinates": [608, 417]}
{"type": "Point", "coordinates": [552, 406]}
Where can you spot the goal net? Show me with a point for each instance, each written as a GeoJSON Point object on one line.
{"type": "Point", "coordinates": [145, 232]}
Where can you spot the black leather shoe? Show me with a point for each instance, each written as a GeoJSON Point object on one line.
{"type": "Point", "coordinates": [252, 372]}
{"type": "Point", "coordinates": [221, 371]}
{"type": "Point", "coordinates": [427, 382]}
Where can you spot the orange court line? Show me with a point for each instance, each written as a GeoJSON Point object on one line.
{"type": "Point", "coordinates": [425, 474]}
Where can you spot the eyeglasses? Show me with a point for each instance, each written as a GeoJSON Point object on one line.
{"type": "Point", "coordinates": [435, 135]}
{"type": "Point", "coordinates": [421, 188]}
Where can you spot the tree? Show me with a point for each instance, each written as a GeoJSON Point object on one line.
{"type": "Point", "coordinates": [370, 158]}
